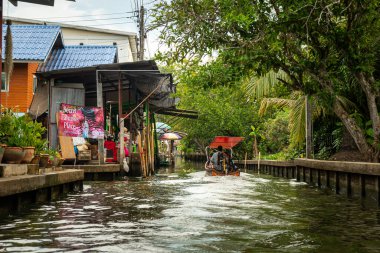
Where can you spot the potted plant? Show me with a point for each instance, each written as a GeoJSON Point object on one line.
{"type": "Point", "coordinates": [40, 146]}
{"type": "Point", "coordinates": [32, 132]}
{"type": "Point", "coordinates": [24, 135]}
{"type": "Point", "coordinates": [14, 152]}
{"type": "Point", "coordinates": [53, 157]}
{"type": "Point", "coordinates": [7, 128]}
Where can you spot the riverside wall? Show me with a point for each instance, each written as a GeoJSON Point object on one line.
{"type": "Point", "coordinates": [19, 190]}
{"type": "Point", "coordinates": [356, 180]}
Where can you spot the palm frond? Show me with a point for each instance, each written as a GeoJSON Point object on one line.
{"type": "Point", "coordinates": [259, 87]}
{"type": "Point", "coordinates": [278, 102]}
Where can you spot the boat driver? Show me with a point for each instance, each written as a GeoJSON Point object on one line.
{"type": "Point", "coordinates": [217, 158]}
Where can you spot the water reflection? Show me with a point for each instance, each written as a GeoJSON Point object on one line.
{"type": "Point", "coordinates": [178, 213]}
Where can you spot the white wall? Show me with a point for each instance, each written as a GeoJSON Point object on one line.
{"type": "Point", "coordinates": [75, 35]}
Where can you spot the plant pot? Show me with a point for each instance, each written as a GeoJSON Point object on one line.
{"type": "Point", "coordinates": [35, 160]}
{"type": "Point", "coordinates": [61, 160]}
{"type": "Point", "coordinates": [55, 161]}
{"type": "Point", "coordinates": [13, 155]}
{"type": "Point", "coordinates": [29, 154]}
{"type": "Point", "coordinates": [44, 160]}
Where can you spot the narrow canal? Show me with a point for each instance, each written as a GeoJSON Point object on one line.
{"type": "Point", "coordinates": [192, 213]}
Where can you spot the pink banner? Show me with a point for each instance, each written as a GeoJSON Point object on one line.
{"type": "Point", "coordinates": [81, 121]}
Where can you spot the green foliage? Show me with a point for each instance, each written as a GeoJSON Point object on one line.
{"type": "Point", "coordinates": [277, 133]}
{"type": "Point", "coordinates": [327, 137]}
{"type": "Point", "coordinates": [214, 91]}
{"type": "Point", "coordinates": [328, 49]}
{"type": "Point", "coordinates": [7, 125]}
{"type": "Point", "coordinates": [51, 152]}
{"type": "Point", "coordinates": [21, 131]}
{"type": "Point", "coordinates": [285, 155]}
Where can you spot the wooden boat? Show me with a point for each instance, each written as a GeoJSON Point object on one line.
{"type": "Point", "coordinates": [215, 173]}
{"type": "Point", "coordinates": [227, 167]}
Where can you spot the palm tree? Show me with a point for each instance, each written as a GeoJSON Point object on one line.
{"type": "Point", "coordinates": [255, 134]}
{"type": "Point", "coordinates": [261, 88]}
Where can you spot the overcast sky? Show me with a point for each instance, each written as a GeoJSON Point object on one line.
{"type": "Point", "coordinates": [108, 14]}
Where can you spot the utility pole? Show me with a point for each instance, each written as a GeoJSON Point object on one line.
{"type": "Point", "coordinates": [142, 34]}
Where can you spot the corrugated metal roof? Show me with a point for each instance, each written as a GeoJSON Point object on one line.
{"type": "Point", "coordinates": [78, 57]}
{"type": "Point", "coordinates": [31, 42]}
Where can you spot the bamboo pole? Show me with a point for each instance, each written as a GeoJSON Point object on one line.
{"type": "Point", "coordinates": [146, 140]}
{"type": "Point", "coordinates": [155, 139]}
{"type": "Point", "coordinates": [141, 152]}
{"type": "Point", "coordinates": [146, 151]}
{"type": "Point", "coordinates": [151, 145]}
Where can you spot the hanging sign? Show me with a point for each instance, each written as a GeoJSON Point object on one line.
{"type": "Point", "coordinates": [81, 121]}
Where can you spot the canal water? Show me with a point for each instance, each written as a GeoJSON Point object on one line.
{"type": "Point", "coordinates": [179, 212]}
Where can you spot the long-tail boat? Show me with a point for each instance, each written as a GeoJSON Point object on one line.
{"type": "Point", "coordinates": [226, 167]}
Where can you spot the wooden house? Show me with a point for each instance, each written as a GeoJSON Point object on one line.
{"type": "Point", "coordinates": [41, 48]}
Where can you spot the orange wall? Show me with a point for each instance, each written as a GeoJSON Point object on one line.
{"type": "Point", "coordinates": [20, 93]}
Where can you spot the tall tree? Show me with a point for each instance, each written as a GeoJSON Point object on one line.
{"type": "Point", "coordinates": [316, 43]}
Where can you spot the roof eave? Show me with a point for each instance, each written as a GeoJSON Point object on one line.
{"type": "Point", "coordinates": [52, 44]}
{"type": "Point", "coordinates": [27, 61]}
{"type": "Point", "coordinates": [79, 27]}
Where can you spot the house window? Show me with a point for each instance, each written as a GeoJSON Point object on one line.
{"type": "Point", "coordinates": [34, 84]}
{"type": "Point", "coordinates": [4, 83]}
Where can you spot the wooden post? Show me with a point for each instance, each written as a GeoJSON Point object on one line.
{"type": "Point", "coordinates": [337, 182]}
{"type": "Point", "coordinates": [348, 184]}
{"type": "Point", "coordinates": [99, 101]}
{"type": "Point", "coordinates": [245, 163]}
{"type": "Point", "coordinates": [328, 183]}
{"type": "Point", "coordinates": [362, 186]}
{"type": "Point", "coordinates": [258, 164]}
{"type": "Point", "coordinates": [311, 176]}
{"type": "Point", "coordinates": [303, 174]}
{"type": "Point", "coordinates": [319, 178]}
{"type": "Point", "coordinates": [50, 102]}
{"type": "Point", "coordinates": [298, 176]}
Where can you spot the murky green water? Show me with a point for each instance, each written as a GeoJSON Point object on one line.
{"type": "Point", "coordinates": [168, 213]}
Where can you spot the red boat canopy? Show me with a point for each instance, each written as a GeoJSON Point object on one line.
{"type": "Point", "coordinates": [225, 141]}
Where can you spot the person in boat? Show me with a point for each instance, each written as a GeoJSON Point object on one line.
{"type": "Point", "coordinates": [217, 159]}
{"type": "Point", "coordinates": [230, 163]}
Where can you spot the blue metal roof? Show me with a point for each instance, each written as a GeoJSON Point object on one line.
{"type": "Point", "coordinates": [31, 42]}
{"type": "Point", "coordinates": [78, 57]}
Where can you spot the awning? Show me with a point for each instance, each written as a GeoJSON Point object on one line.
{"type": "Point", "coordinates": [225, 141]}
{"type": "Point", "coordinates": [143, 76]}
{"type": "Point", "coordinates": [39, 103]}
{"type": "Point", "coordinates": [177, 113]}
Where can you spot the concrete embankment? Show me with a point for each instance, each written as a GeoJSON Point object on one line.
{"type": "Point", "coordinates": [18, 191]}
{"type": "Point", "coordinates": [353, 179]}
{"type": "Point", "coordinates": [96, 172]}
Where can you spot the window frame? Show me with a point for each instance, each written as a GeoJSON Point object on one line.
{"type": "Point", "coordinates": [4, 82]}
